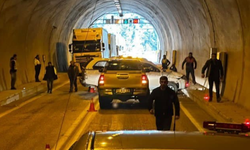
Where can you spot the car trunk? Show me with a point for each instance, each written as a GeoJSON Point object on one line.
{"type": "Point", "coordinates": [123, 79]}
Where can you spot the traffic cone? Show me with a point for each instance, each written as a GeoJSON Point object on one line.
{"type": "Point", "coordinates": [92, 106]}
{"type": "Point", "coordinates": [47, 147]}
{"type": "Point", "coordinates": [92, 90]}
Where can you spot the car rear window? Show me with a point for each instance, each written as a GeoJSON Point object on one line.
{"type": "Point", "coordinates": [124, 65]}
{"type": "Point", "coordinates": [99, 65]}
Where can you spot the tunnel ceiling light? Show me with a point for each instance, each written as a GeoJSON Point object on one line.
{"type": "Point", "coordinates": [118, 7]}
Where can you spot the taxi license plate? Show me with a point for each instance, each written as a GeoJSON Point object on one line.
{"type": "Point", "coordinates": [123, 90]}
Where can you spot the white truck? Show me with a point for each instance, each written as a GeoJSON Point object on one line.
{"type": "Point", "coordinates": [88, 43]}
{"type": "Point", "coordinates": [112, 45]}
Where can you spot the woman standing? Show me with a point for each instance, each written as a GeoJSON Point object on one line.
{"type": "Point", "coordinates": [50, 76]}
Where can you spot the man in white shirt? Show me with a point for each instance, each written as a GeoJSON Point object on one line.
{"type": "Point", "coordinates": [37, 67]}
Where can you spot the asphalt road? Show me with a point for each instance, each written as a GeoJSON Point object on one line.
{"type": "Point", "coordinates": [48, 117]}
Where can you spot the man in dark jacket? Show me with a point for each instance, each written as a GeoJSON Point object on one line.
{"type": "Point", "coordinates": [13, 70]}
{"type": "Point", "coordinates": [50, 76]}
{"type": "Point", "coordinates": [214, 74]}
{"type": "Point", "coordinates": [164, 99]}
{"type": "Point", "coordinates": [73, 72]}
{"type": "Point", "coordinates": [191, 64]}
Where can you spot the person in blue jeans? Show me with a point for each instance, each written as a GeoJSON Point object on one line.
{"type": "Point", "coordinates": [191, 64]}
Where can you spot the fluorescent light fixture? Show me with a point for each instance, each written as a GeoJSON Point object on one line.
{"type": "Point", "coordinates": [118, 7]}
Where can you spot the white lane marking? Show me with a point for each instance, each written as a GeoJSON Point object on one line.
{"type": "Point", "coordinates": [75, 130]}
{"type": "Point", "coordinates": [191, 118]}
{"type": "Point", "coordinates": [28, 101]}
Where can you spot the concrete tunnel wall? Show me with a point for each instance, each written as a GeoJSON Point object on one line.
{"type": "Point", "coordinates": [44, 27]}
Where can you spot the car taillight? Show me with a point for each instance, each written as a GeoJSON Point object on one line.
{"type": "Point", "coordinates": [144, 79]}
{"type": "Point", "coordinates": [101, 80]}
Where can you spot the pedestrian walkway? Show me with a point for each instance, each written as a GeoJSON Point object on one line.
{"type": "Point", "coordinates": [29, 89]}
{"type": "Point", "coordinates": [225, 111]}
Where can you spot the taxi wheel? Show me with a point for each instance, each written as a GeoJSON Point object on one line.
{"type": "Point", "coordinates": [173, 86]}
{"type": "Point", "coordinates": [105, 102]}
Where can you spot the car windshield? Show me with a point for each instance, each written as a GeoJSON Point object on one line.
{"type": "Point", "coordinates": [87, 46]}
{"type": "Point", "coordinates": [124, 65]}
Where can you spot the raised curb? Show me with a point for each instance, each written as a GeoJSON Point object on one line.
{"type": "Point", "coordinates": [207, 106]}
{"type": "Point", "coordinates": [20, 94]}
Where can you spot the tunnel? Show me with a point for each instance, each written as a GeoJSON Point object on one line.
{"type": "Point", "coordinates": [44, 27]}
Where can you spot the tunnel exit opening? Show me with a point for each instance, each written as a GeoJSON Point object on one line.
{"type": "Point", "coordinates": [135, 36]}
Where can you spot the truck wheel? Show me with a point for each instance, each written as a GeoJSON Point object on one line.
{"type": "Point", "coordinates": [173, 86]}
{"type": "Point", "coordinates": [105, 102]}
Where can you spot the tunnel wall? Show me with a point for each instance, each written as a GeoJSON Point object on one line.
{"type": "Point", "coordinates": [44, 27]}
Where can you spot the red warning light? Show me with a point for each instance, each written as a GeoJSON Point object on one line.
{"type": "Point", "coordinates": [206, 97]}
{"type": "Point", "coordinates": [247, 122]}
{"type": "Point", "coordinates": [135, 21]}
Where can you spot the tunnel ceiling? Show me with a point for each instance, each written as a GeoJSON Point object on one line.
{"type": "Point", "coordinates": [44, 27]}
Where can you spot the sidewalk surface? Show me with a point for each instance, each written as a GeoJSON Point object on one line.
{"type": "Point", "coordinates": [29, 89]}
{"type": "Point", "coordinates": [225, 111]}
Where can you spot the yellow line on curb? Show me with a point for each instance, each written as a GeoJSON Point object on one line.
{"type": "Point", "coordinates": [29, 101]}
{"type": "Point", "coordinates": [191, 118]}
{"type": "Point", "coordinates": [70, 137]}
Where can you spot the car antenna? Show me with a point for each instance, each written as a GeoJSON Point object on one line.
{"type": "Point", "coordinates": [62, 121]}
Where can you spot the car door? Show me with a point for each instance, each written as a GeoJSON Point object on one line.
{"type": "Point", "coordinates": [154, 75]}
{"type": "Point", "coordinates": [92, 74]}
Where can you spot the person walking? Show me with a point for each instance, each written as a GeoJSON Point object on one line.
{"type": "Point", "coordinates": [215, 74]}
{"type": "Point", "coordinates": [50, 76]}
{"type": "Point", "coordinates": [13, 70]}
{"type": "Point", "coordinates": [191, 64]}
{"type": "Point", "coordinates": [73, 72]}
{"type": "Point", "coordinates": [163, 98]}
{"type": "Point", "coordinates": [165, 63]}
{"type": "Point", "coordinates": [37, 67]}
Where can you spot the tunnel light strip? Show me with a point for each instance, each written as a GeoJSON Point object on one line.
{"type": "Point", "coordinates": [118, 6]}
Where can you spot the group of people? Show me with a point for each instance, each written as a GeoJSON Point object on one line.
{"type": "Point", "coordinates": [49, 76]}
{"type": "Point", "coordinates": [213, 68]}
{"type": "Point", "coordinates": [163, 99]}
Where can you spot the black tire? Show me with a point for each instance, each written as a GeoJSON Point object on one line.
{"type": "Point", "coordinates": [105, 102]}
{"type": "Point", "coordinates": [173, 86]}
{"type": "Point", "coordinates": [144, 100]}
